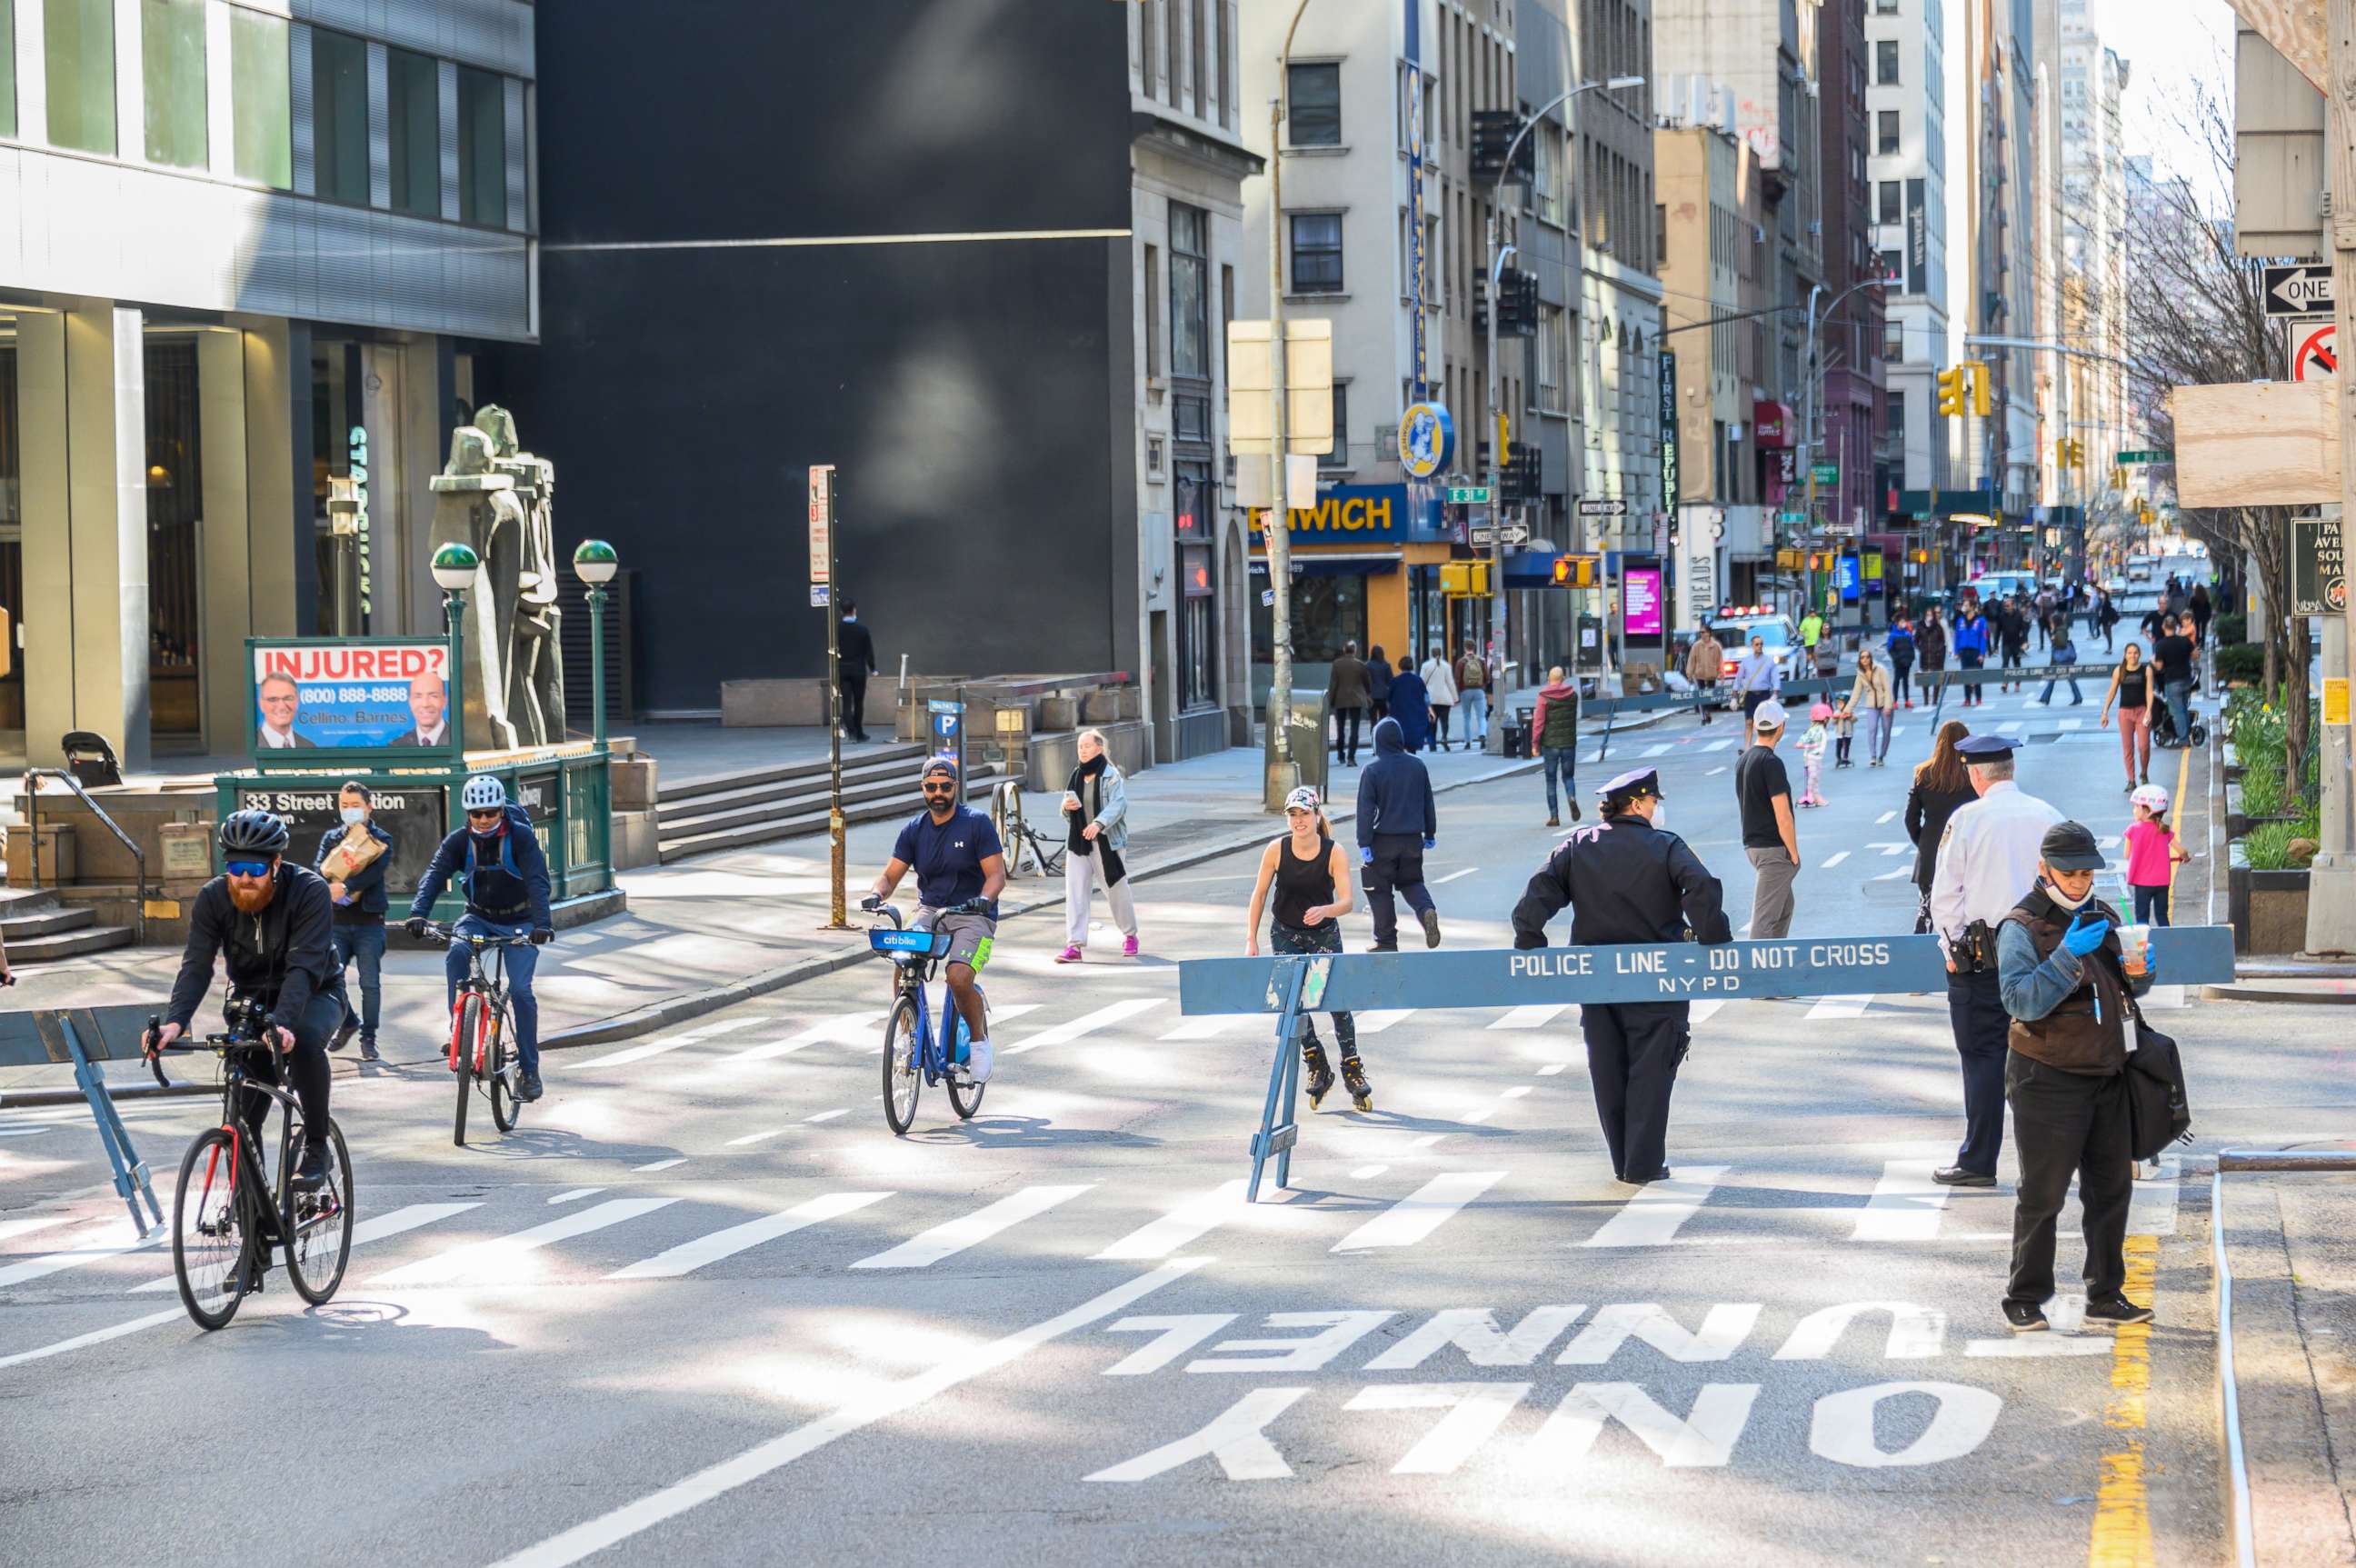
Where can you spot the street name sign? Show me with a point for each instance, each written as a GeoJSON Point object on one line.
{"type": "Point", "coordinates": [1825, 473]}
{"type": "Point", "coordinates": [2319, 567]}
{"type": "Point", "coordinates": [2299, 288]}
{"type": "Point", "coordinates": [2129, 459]}
{"type": "Point", "coordinates": [1468, 495]}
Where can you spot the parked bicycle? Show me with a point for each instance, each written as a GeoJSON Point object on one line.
{"type": "Point", "coordinates": [480, 1026]}
{"type": "Point", "coordinates": [228, 1215]}
{"type": "Point", "coordinates": [916, 1051]}
{"type": "Point", "coordinates": [1044, 851]}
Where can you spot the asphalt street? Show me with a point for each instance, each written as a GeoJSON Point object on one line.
{"type": "Point", "coordinates": [702, 1306]}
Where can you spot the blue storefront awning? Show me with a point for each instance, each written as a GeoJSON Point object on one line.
{"type": "Point", "coordinates": [1333, 566]}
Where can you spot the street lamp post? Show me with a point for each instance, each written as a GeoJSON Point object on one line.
{"type": "Point", "coordinates": [1282, 774]}
{"type": "Point", "coordinates": [594, 563]}
{"type": "Point", "coordinates": [1493, 383]}
{"type": "Point", "coordinates": [455, 568]}
{"type": "Point", "coordinates": [1815, 410]}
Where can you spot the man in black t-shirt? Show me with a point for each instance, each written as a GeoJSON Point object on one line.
{"type": "Point", "coordinates": [2172, 655]}
{"type": "Point", "coordinates": [1769, 838]}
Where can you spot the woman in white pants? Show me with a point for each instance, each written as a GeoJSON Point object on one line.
{"type": "Point", "coordinates": [1096, 811]}
{"type": "Point", "coordinates": [1871, 701]}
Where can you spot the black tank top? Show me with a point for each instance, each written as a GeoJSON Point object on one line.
{"type": "Point", "coordinates": [2135, 686]}
{"type": "Point", "coordinates": [1300, 885]}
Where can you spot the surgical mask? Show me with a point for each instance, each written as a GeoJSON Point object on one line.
{"type": "Point", "coordinates": [1660, 813]}
{"type": "Point", "coordinates": [355, 815]}
{"type": "Point", "coordinates": [2053, 891]}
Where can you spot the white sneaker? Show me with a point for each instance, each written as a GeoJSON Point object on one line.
{"type": "Point", "coordinates": [977, 1060]}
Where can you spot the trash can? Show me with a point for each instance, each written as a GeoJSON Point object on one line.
{"type": "Point", "coordinates": [1311, 751]}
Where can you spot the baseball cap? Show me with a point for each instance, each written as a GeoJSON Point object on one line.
{"type": "Point", "coordinates": [1770, 715]}
{"type": "Point", "coordinates": [1303, 799]}
{"type": "Point", "coordinates": [2070, 847]}
{"type": "Point", "coordinates": [943, 763]}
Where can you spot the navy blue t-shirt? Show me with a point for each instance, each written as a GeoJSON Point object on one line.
{"type": "Point", "coordinates": [948, 856]}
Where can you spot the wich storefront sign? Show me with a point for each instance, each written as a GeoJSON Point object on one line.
{"type": "Point", "coordinates": [1349, 514]}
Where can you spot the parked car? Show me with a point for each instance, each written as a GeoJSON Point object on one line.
{"type": "Point", "coordinates": [1736, 625]}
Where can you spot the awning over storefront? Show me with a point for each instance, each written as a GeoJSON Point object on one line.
{"type": "Point", "coordinates": [1773, 421]}
{"type": "Point", "coordinates": [1306, 565]}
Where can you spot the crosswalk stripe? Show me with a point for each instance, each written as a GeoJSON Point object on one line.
{"type": "Point", "coordinates": [1705, 1010]}
{"type": "Point", "coordinates": [2010, 727]}
{"type": "Point", "coordinates": [1205, 1212]}
{"type": "Point", "coordinates": [1420, 1212]}
{"type": "Point", "coordinates": [1839, 1007]}
{"type": "Point", "coordinates": [1660, 750]}
{"type": "Point", "coordinates": [760, 1138]}
{"type": "Point", "coordinates": [1878, 822]}
{"type": "Point", "coordinates": [1205, 1028]}
{"type": "Point", "coordinates": [2152, 1210]}
{"type": "Point", "coordinates": [110, 1239]}
{"type": "Point", "coordinates": [1652, 1217]}
{"type": "Point", "coordinates": [12, 1228]}
{"type": "Point", "coordinates": [1717, 746]}
{"type": "Point", "coordinates": [1906, 1204]}
{"type": "Point", "coordinates": [2163, 997]}
{"type": "Point", "coordinates": [95, 1336]}
{"type": "Point", "coordinates": [657, 1048]}
{"type": "Point", "coordinates": [944, 1241]}
{"type": "Point", "coordinates": [365, 1231]}
{"type": "Point", "coordinates": [1375, 1020]}
{"type": "Point", "coordinates": [2073, 724]}
{"type": "Point", "coordinates": [834, 1028]}
{"type": "Point", "coordinates": [1835, 858]}
{"type": "Point", "coordinates": [689, 1256]}
{"type": "Point", "coordinates": [1086, 1023]}
{"type": "Point", "coordinates": [1892, 876]}
{"type": "Point", "coordinates": [1534, 1016]}
{"type": "Point", "coordinates": [487, 1257]}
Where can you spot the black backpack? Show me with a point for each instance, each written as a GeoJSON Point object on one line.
{"type": "Point", "coordinates": [2157, 1107]}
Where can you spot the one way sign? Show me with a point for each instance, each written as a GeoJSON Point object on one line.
{"type": "Point", "coordinates": [2298, 289]}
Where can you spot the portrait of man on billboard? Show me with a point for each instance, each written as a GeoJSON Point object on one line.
{"type": "Point", "coordinates": [280, 699]}
{"type": "Point", "coordinates": [429, 704]}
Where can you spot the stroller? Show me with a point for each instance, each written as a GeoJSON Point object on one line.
{"type": "Point", "coordinates": [2163, 725]}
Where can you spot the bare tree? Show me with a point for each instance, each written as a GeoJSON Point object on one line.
{"type": "Point", "coordinates": [2196, 315]}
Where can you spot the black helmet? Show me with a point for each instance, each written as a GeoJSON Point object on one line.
{"type": "Point", "coordinates": [253, 833]}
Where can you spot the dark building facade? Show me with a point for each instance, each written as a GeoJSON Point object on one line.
{"type": "Point", "coordinates": [892, 237]}
{"type": "Point", "coordinates": [1852, 339]}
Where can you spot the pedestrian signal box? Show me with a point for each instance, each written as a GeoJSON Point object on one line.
{"type": "Point", "coordinates": [1466, 579]}
{"type": "Point", "coordinates": [1576, 571]}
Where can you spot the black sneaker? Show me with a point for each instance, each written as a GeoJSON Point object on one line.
{"type": "Point", "coordinates": [1354, 1078]}
{"type": "Point", "coordinates": [2115, 1312]}
{"type": "Point", "coordinates": [2025, 1317]}
{"type": "Point", "coordinates": [311, 1170]}
{"type": "Point", "coordinates": [1956, 1175]}
{"type": "Point", "coordinates": [367, 1050]}
{"type": "Point", "coordinates": [529, 1090]}
{"type": "Point", "coordinates": [1431, 928]}
{"type": "Point", "coordinates": [344, 1035]}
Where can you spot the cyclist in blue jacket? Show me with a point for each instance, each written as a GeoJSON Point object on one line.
{"type": "Point", "coordinates": [497, 859]}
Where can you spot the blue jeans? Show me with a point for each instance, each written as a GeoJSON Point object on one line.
{"type": "Point", "coordinates": [521, 962]}
{"type": "Point", "coordinates": [2075, 695]}
{"type": "Point", "coordinates": [2150, 904]}
{"type": "Point", "coordinates": [1561, 763]}
{"type": "Point", "coordinates": [2179, 708]}
{"type": "Point", "coordinates": [363, 940]}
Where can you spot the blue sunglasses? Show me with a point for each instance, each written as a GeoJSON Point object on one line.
{"type": "Point", "coordinates": [249, 869]}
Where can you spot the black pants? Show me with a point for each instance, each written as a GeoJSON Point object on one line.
{"type": "Point", "coordinates": [1398, 869]}
{"type": "Point", "coordinates": [1971, 689]}
{"type": "Point", "coordinates": [2064, 1122]}
{"type": "Point", "coordinates": [1902, 677]}
{"type": "Point", "coordinates": [1633, 1052]}
{"type": "Point", "coordinates": [305, 1069]}
{"type": "Point", "coordinates": [1326, 937]}
{"type": "Point", "coordinates": [1345, 733]}
{"type": "Point", "coordinates": [1975, 1012]}
{"type": "Point", "coordinates": [854, 705]}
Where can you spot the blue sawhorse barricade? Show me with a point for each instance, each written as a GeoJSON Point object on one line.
{"type": "Point", "coordinates": [1502, 977]}
{"type": "Point", "coordinates": [86, 1037]}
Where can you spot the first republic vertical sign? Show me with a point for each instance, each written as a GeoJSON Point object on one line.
{"type": "Point", "coordinates": [821, 534]}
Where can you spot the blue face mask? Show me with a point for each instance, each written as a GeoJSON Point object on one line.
{"type": "Point", "coordinates": [354, 815]}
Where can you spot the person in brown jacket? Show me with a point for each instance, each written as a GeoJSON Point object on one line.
{"type": "Point", "coordinates": [2066, 980]}
{"type": "Point", "coordinates": [1349, 693]}
{"type": "Point", "coordinates": [1704, 666]}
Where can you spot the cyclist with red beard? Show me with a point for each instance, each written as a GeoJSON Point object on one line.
{"type": "Point", "coordinates": [272, 922]}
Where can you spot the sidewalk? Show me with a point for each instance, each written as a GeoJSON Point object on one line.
{"type": "Point", "coordinates": [704, 934]}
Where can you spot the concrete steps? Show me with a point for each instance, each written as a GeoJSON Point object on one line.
{"type": "Point", "coordinates": [37, 927]}
{"type": "Point", "coordinates": [763, 805]}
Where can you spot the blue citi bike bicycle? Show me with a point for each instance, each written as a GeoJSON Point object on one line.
{"type": "Point", "coordinates": [916, 1051]}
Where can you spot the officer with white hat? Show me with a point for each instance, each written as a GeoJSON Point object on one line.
{"type": "Point", "coordinates": [1627, 879]}
{"type": "Point", "coordinates": [1987, 863]}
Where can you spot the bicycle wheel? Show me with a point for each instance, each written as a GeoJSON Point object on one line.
{"type": "Point", "coordinates": [210, 1236]}
{"type": "Point", "coordinates": [319, 1226]}
{"type": "Point", "coordinates": [901, 1081]}
{"type": "Point", "coordinates": [965, 1098]}
{"type": "Point", "coordinates": [500, 1066]}
{"type": "Point", "coordinates": [469, 1027]}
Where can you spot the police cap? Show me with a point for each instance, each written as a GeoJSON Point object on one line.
{"type": "Point", "coordinates": [2070, 847]}
{"type": "Point", "coordinates": [1632, 785]}
{"type": "Point", "coordinates": [1984, 749]}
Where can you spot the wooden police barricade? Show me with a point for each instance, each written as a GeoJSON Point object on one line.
{"type": "Point", "coordinates": [1504, 977]}
{"type": "Point", "coordinates": [86, 1037]}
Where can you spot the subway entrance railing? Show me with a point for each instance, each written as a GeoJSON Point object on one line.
{"type": "Point", "coordinates": [1289, 987]}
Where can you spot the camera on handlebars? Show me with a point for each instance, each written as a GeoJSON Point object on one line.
{"type": "Point", "coordinates": [246, 1016]}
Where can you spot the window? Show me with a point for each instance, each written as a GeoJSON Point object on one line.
{"type": "Point", "coordinates": [172, 64]}
{"type": "Point", "coordinates": [1545, 178]}
{"type": "Point", "coordinates": [482, 148]}
{"type": "Point", "coordinates": [1338, 455]}
{"type": "Point", "coordinates": [1554, 355]}
{"type": "Point", "coordinates": [1227, 319]}
{"type": "Point", "coordinates": [1147, 34]}
{"type": "Point", "coordinates": [1887, 196]}
{"type": "Point", "coordinates": [1316, 252]}
{"type": "Point", "coordinates": [1893, 342]}
{"type": "Point", "coordinates": [414, 105]}
{"type": "Point", "coordinates": [1190, 302]}
{"type": "Point", "coordinates": [1886, 132]}
{"type": "Point", "coordinates": [262, 120]}
{"type": "Point", "coordinates": [1885, 7]}
{"type": "Point", "coordinates": [1893, 267]}
{"type": "Point", "coordinates": [8, 69]}
{"type": "Point", "coordinates": [340, 115]}
{"type": "Point", "coordinates": [1884, 62]}
{"type": "Point", "coordinates": [1153, 312]}
{"type": "Point", "coordinates": [1226, 64]}
{"type": "Point", "coordinates": [1313, 111]}
{"type": "Point", "coordinates": [1202, 86]}
{"type": "Point", "coordinates": [77, 39]}
{"type": "Point", "coordinates": [1893, 416]}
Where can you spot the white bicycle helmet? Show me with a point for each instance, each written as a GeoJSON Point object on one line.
{"type": "Point", "coordinates": [483, 793]}
{"type": "Point", "coordinates": [2152, 796]}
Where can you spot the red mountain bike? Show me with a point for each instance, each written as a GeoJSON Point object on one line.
{"type": "Point", "coordinates": [480, 1024]}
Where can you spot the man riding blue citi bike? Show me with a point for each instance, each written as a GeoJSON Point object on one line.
{"type": "Point", "coordinates": [497, 860]}
{"type": "Point", "coordinates": [960, 870]}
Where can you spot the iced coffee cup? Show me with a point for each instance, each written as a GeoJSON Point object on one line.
{"type": "Point", "coordinates": [2135, 945]}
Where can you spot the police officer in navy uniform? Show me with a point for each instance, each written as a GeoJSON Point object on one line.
{"type": "Point", "coordinates": [1987, 863]}
{"type": "Point", "coordinates": [1628, 880]}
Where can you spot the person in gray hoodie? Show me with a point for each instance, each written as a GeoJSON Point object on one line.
{"type": "Point", "coordinates": [1397, 822]}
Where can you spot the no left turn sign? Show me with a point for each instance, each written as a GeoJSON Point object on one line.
{"type": "Point", "coordinates": [2315, 354]}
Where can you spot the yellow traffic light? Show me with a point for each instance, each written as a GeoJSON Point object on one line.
{"type": "Point", "coordinates": [1468, 578]}
{"type": "Point", "coordinates": [1951, 392]}
{"type": "Point", "coordinates": [2061, 453]}
{"type": "Point", "coordinates": [1574, 571]}
{"type": "Point", "coordinates": [2077, 454]}
{"type": "Point", "coordinates": [1981, 403]}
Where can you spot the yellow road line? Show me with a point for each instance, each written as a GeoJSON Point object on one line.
{"type": "Point", "coordinates": [2176, 823]}
{"type": "Point", "coordinates": [2122, 1534]}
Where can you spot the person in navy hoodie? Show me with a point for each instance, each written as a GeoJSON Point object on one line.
{"type": "Point", "coordinates": [497, 859]}
{"type": "Point", "coordinates": [1397, 822]}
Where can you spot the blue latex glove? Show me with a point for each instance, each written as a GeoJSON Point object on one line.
{"type": "Point", "coordinates": [2085, 934]}
{"type": "Point", "coordinates": [1430, 842]}
{"type": "Point", "coordinates": [1365, 855]}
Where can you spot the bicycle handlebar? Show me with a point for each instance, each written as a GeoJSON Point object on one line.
{"type": "Point", "coordinates": [448, 935]}
{"type": "Point", "coordinates": [188, 1046]}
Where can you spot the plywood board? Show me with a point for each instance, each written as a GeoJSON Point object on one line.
{"type": "Point", "coordinates": [2257, 444]}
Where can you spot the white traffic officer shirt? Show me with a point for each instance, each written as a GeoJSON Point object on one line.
{"type": "Point", "coordinates": [1988, 858]}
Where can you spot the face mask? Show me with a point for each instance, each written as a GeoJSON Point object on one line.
{"type": "Point", "coordinates": [2053, 891]}
{"type": "Point", "coordinates": [355, 815]}
{"type": "Point", "coordinates": [1660, 813]}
